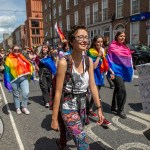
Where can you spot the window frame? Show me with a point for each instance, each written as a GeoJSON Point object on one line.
{"type": "Point", "coordinates": [76, 17]}
{"type": "Point", "coordinates": [87, 15]}
{"type": "Point", "coordinates": [121, 15]}
{"type": "Point", "coordinates": [131, 33]}
{"type": "Point", "coordinates": [95, 7]}
{"type": "Point", "coordinates": [67, 4]}
{"type": "Point", "coordinates": [131, 4]}
{"type": "Point", "coordinates": [68, 22]}
{"type": "Point", "coordinates": [106, 17]}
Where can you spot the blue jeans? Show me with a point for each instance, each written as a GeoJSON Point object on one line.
{"type": "Point", "coordinates": [21, 85]}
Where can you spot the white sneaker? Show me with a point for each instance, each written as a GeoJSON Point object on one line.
{"type": "Point", "coordinates": [47, 105]}
{"type": "Point", "coordinates": [26, 111]}
{"type": "Point", "coordinates": [18, 111]}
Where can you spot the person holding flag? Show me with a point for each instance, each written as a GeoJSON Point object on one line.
{"type": "Point", "coordinates": [47, 68]}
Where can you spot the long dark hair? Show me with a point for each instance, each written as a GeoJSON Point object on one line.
{"type": "Point", "coordinates": [94, 40]}
{"type": "Point", "coordinates": [117, 34]}
{"type": "Point", "coordinates": [41, 55]}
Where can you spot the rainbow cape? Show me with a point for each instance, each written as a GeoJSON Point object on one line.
{"type": "Point", "coordinates": [60, 33]}
{"type": "Point", "coordinates": [92, 53]}
{"type": "Point", "coordinates": [120, 60]}
{"type": "Point", "coordinates": [13, 70]}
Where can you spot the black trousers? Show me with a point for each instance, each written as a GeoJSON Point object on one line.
{"type": "Point", "coordinates": [45, 85]}
{"type": "Point", "coordinates": [119, 95]}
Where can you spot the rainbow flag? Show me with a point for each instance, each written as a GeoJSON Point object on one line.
{"type": "Point", "coordinates": [92, 53]}
{"type": "Point", "coordinates": [120, 60]}
{"type": "Point", "coordinates": [12, 73]}
{"type": "Point", "coordinates": [60, 33]}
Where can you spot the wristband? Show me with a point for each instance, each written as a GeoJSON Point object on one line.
{"type": "Point", "coordinates": [98, 107]}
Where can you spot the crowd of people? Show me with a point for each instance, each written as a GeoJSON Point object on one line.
{"type": "Point", "coordinates": [70, 78]}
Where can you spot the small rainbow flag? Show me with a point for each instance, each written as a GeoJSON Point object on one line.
{"type": "Point", "coordinates": [60, 33]}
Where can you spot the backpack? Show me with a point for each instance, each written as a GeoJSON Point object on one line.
{"type": "Point", "coordinates": [68, 77]}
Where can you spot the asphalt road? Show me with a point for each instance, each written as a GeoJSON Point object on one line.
{"type": "Point", "coordinates": [32, 132]}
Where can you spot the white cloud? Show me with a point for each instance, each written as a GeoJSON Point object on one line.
{"type": "Point", "coordinates": [7, 21]}
{"type": "Point", "coordinates": [7, 24]}
{"type": "Point", "coordinates": [12, 15]}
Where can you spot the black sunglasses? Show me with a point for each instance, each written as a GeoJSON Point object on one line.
{"type": "Point", "coordinates": [16, 50]}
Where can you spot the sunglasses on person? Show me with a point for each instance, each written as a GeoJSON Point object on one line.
{"type": "Point", "coordinates": [16, 50]}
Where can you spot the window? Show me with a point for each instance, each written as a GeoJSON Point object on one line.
{"type": "Point", "coordinates": [54, 1]}
{"type": "Point", "coordinates": [95, 12]}
{"type": "Point", "coordinates": [54, 12]}
{"type": "Point", "coordinates": [51, 31]}
{"type": "Point", "coordinates": [50, 17]}
{"type": "Point", "coordinates": [35, 31]}
{"type": "Point", "coordinates": [87, 15]}
{"type": "Point", "coordinates": [135, 6]}
{"type": "Point", "coordinates": [67, 4]}
{"type": "Point", "coordinates": [45, 6]}
{"type": "Point", "coordinates": [107, 32]}
{"type": "Point", "coordinates": [60, 24]}
{"type": "Point", "coordinates": [76, 17]}
{"type": "Point", "coordinates": [119, 8]}
{"type": "Point", "coordinates": [60, 10]}
{"type": "Point", "coordinates": [34, 23]}
{"type": "Point", "coordinates": [134, 33]}
{"type": "Point", "coordinates": [104, 10]}
{"type": "Point", "coordinates": [45, 19]}
{"type": "Point", "coordinates": [75, 2]}
{"type": "Point", "coordinates": [92, 35]}
{"type": "Point", "coordinates": [68, 22]}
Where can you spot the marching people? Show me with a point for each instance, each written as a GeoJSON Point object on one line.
{"type": "Point", "coordinates": [70, 97]}
{"type": "Point", "coordinates": [96, 52]}
{"type": "Point", "coordinates": [17, 69]}
{"type": "Point", "coordinates": [120, 61]}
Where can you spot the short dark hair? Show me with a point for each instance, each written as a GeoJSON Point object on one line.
{"type": "Point", "coordinates": [72, 32]}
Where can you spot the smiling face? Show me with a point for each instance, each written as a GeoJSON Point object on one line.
{"type": "Point", "coordinates": [81, 40]}
{"type": "Point", "coordinates": [16, 50]}
{"type": "Point", "coordinates": [45, 49]}
{"type": "Point", "coordinates": [121, 38]}
{"type": "Point", "coordinates": [99, 43]}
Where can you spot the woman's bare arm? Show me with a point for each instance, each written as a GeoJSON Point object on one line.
{"type": "Point", "coordinates": [61, 71]}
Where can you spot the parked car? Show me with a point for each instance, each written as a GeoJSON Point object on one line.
{"type": "Point", "coordinates": [140, 54]}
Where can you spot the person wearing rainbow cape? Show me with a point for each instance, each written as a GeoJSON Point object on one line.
{"type": "Point", "coordinates": [17, 69]}
{"type": "Point", "coordinates": [120, 61]}
{"type": "Point", "coordinates": [97, 54]}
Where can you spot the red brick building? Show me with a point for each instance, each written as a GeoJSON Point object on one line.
{"type": "Point", "coordinates": [34, 23]}
{"type": "Point", "coordinates": [104, 17]}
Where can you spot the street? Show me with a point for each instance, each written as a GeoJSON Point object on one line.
{"type": "Point", "coordinates": [32, 132]}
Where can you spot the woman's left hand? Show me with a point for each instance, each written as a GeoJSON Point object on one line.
{"type": "Point", "coordinates": [100, 116]}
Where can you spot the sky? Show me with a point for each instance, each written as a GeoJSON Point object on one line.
{"type": "Point", "coordinates": [12, 14]}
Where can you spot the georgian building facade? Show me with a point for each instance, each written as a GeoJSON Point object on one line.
{"type": "Point", "coordinates": [34, 23]}
{"type": "Point", "coordinates": [104, 17]}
